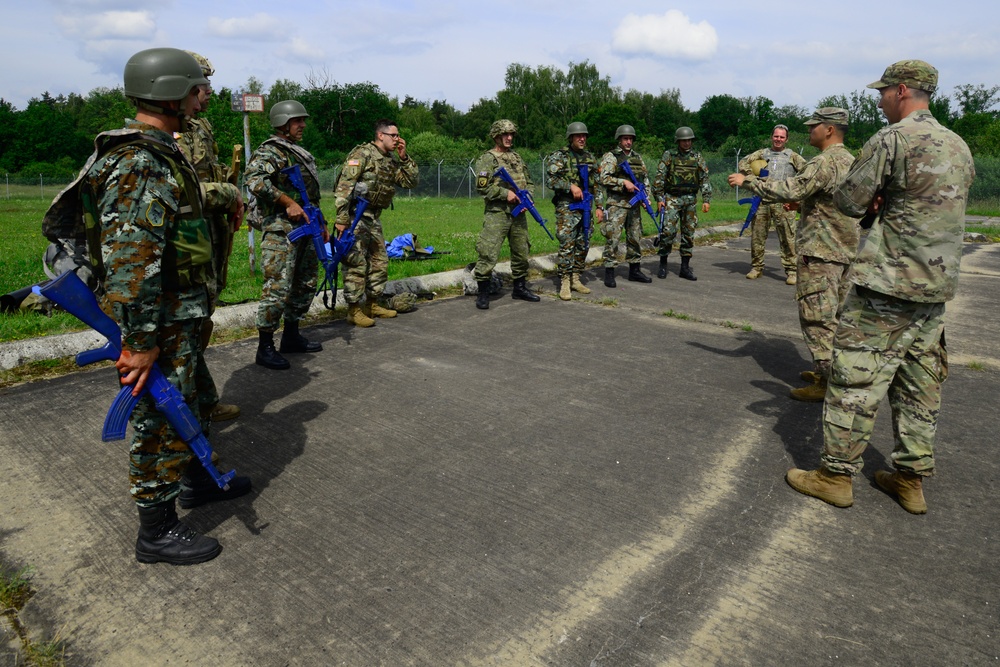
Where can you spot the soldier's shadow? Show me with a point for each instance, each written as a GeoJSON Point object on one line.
{"type": "Point", "coordinates": [798, 425]}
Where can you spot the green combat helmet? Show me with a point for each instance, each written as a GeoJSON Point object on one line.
{"type": "Point", "coordinates": [576, 128]}
{"type": "Point", "coordinates": [502, 126]}
{"type": "Point", "coordinates": [282, 112]}
{"type": "Point", "coordinates": [206, 64]}
{"type": "Point", "coordinates": [683, 133]}
{"type": "Point", "coordinates": [162, 75]}
{"type": "Point", "coordinates": [624, 131]}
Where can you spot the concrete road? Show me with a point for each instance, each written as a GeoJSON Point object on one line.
{"type": "Point", "coordinates": [581, 483]}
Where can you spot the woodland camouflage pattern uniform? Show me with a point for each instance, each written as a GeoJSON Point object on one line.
{"type": "Point", "coordinates": [619, 214]}
{"type": "Point", "coordinates": [290, 269]}
{"type": "Point", "coordinates": [891, 334]}
{"type": "Point", "coordinates": [367, 262]}
{"type": "Point", "coordinates": [826, 240]}
{"type": "Point", "coordinates": [679, 178]}
{"type": "Point", "coordinates": [498, 224]}
{"type": "Point", "coordinates": [781, 165]}
{"type": "Point", "coordinates": [156, 249]}
{"type": "Point", "coordinates": [563, 171]}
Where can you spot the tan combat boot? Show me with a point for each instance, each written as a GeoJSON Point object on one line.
{"type": "Point", "coordinates": [374, 310]}
{"type": "Point", "coordinates": [791, 279]}
{"type": "Point", "coordinates": [814, 393]}
{"type": "Point", "coordinates": [357, 317]}
{"type": "Point", "coordinates": [754, 274]}
{"type": "Point", "coordinates": [823, 484]}
{"type": "Point", "coordinates": [809, 376]}
{"type": "Point", "coordinates": [564, 289]}
{"type": "Point", "coordinates": [907, 487]}
{"type": "Point", "coordinates": [224, 411]}
{"type": "Point", "coordinates": [578, 286]}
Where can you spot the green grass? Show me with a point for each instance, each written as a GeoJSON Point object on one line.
{"type": "Point", "coordinates": [15, 588]}
{"type": "Point", "coordinates": [976, 366]}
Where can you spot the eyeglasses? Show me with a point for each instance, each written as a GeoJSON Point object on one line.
{"type": "Point", "coordinates": [394, 135]}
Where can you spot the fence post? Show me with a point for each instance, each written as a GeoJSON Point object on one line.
{"type": "Point", "coordinates": [472, 177]}
{"type": "Point", "coordinates": [737, 169]}
{"type": "Point", "coordinates": [439, 177]}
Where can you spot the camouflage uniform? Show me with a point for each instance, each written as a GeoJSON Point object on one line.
{"type": "Point", "coordinates": [498, 224]}
{"type": "Point", "coordinates": [563, 171]}
{"type": "Point", "coordinates": [367, 262]}
{"type": "Point", "coordinates": [290, 269]}
{"type": "Point", "coordinates": [827, 242]}
{"type": "Point", "coordinates": [679, 178]}
{"type": "Point", "coordinates": [619, 213]}
{"type": "Point", "coordinates": [891, 334]}
{"type": "Point", "coordinates": [781, 165]}
{"type": "Point", "coordinates": [156, 250]}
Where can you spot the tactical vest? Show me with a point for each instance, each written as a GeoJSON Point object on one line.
{"type": "Point", "coordinates": [381, 180]}
{"type": "Point", "coordinates": [779, 164]}
{"type": "Point", "coordinates": [73, 214]}
{"type": "Point", "coordinates": [684, 175]}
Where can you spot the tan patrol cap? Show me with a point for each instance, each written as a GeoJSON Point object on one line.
{"type": "Point", "coordinates": [913, 73]}
{"type": "Point", "coordinates": [830, 116]}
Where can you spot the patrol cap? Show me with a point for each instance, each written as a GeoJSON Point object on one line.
{"type": "Point", "coordinates": [913, 73]}
{"type": "Point", "coordinates": [830, 116]}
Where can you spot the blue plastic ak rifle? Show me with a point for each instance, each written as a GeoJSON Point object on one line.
{"type": "Point", "coordinates": [314, 228]}
{"type": "Point", "coordinates": [526, 203]}
{"type": "Point", "coordinates": [73, 295]}
{"type": "Point", "coordinates": [754, 205]}
{"type": "Point", "coordinates": [641, 196]}
{"type": "Point", "coordinates": [586, 203]}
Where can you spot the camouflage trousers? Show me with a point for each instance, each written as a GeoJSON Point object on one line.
{"type": "Point", "coordinates": [618, 218]}
{"type": "Point", "coordinates": [821, 289]}
{"type": "Point", "coordinates": [157, 455]}
{"type": "Point", "coordinates": [573, 243]}
{"type": "Point", "coordinates": [497, 226]}
{"type": "Point", "coordinates": [885, 346]}
{"type": "Point", "coordinates": [783, 221]}
{"type": "Point", "coordinates": [289, 279]}
{"type": "Point", "coordinates": [367, 264]}
{"type": "Point", "coordinates": [680, 212]}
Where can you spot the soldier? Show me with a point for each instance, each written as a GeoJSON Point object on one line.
{"type": "Point", "coordinates": [914, 175]}
{"type": "Point", "coordinates": [498, 223]}
{"type": "Point", "coordinates": [681, 174]}
{"type": "Point", "coordinates": [568, 189]}
{"type": "Point", "coordinates": [383, 165]}
{"type": "Point", "coordinates": [289, 268]}
{"type": "Point", "coordinates": [617, 190]}
{"type": "Point", "coordinates": [155, 251]}
{"type": "Point", "coordinates": [198, 145]}
{"type": "Point", "coordinates": [826, 240]}
{"type": "Point", "coordinates": [782, 163]}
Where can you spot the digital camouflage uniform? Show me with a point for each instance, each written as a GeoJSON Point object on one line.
{"type": "Point", "coordinates": [199, 146]}
{"type": "Point", "coordinates": [781, 165]}
{"type": "Point", "coordinates": [891, 334]}
{"type": "Point", "coordinates": [290, 269]}
{"type": "Point", "coordinates": [826, 242]}
{"type": "Point", "coordinates": [498, 223]}
{"type": "Point", "coordinates": [367, 262]}
{"type": "Point", "coordinates": [563, 171]}
{"type": "Point", "coordinates": [156, 249]}
{"type": "Point", "coordinates": [679, 178]}
{"type": "Point", "coordinates": [619, 214]}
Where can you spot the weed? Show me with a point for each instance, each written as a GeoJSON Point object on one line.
{"type": "Point", "coordinates": [746, 327]}
{"type": "Point", "coordinates": [676, 315]}
{"type": "Point", "coordinates": [976, 366]}
{"type": "Point", "coordinates": [15, 588]}
{"type": "Point", "coordinates": [609, 301]}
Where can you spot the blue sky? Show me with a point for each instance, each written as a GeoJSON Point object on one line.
{"type": "Point", "coordinates": [790, 52]}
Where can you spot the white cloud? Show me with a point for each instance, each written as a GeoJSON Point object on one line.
{"type": "Point", "coordinates": [670, 35]}
{"type": "Point", "coordinates": [259, 26]}
{"type": "Point", "coordinates": [109, 25]}
{"type": "Point", "coordinates": [300, 50]}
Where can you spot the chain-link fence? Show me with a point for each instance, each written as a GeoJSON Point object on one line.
{"type": "Point", "coordinates": [457, 180]}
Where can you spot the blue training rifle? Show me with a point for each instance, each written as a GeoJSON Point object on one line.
{"type": "Point", "coordinates": [73, 295]}
{"type": "Point", "coordinates": [526, 204]}
{"type": "Point", "coordinates": [641, 196]}
{"type": "Point", "coordinates": [754, 205]}
{"type": "Point", "coordinates": [585, 204]}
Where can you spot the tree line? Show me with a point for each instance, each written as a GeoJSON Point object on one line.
{"type": "Point", "coordinates": [54, 135]}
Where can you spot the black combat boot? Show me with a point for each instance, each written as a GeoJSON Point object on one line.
{"type": "Point", "coordinates": [267, 356]}
{"type": "Point", "coordinates": [522, 292]}
{"type": "Point", "coordinates": [686, 273]}
{"type": "Point", "coordinates": [662, 273]}
{"type": "Point", "coordinates": [292, 341]}
{"type": "Point", "coordinates": [198, 487]}
{"type": "Point", "coordinates": [165, 539]}
{"type": "Point", "coordinates": [483, 297]}
{"type": "Point", "coordinates": [609, 277]}
{"type": "Point", "coordinates": [636, 275]}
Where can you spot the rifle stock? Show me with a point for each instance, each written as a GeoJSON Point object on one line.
{"type": "Point", "coordinates": [73, 295]}
{"type": "Point", "coordinates": [526, 203]}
